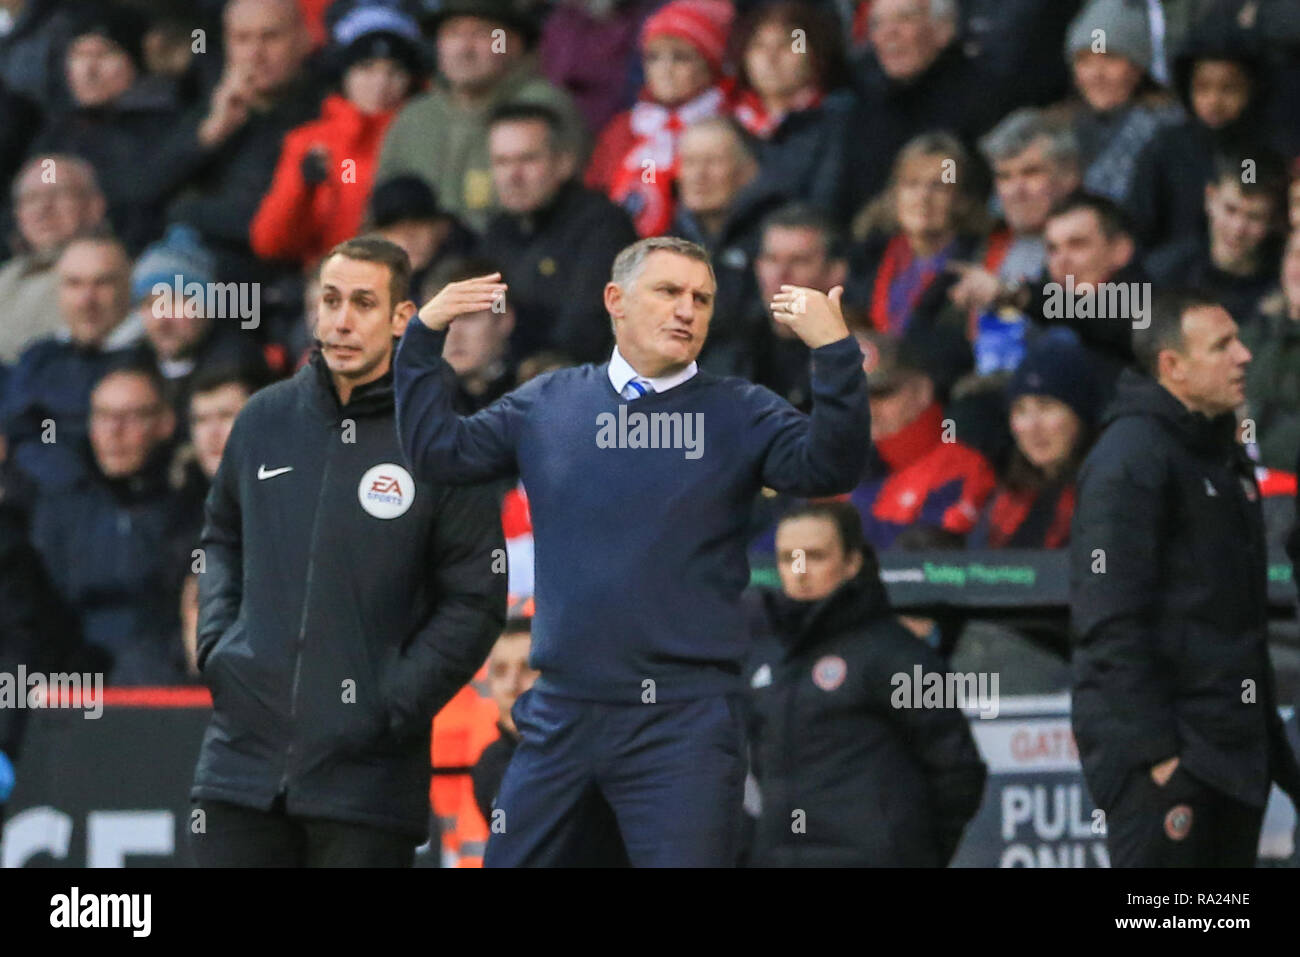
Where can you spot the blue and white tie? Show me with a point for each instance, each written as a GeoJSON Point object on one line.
{"type": "Point", "coordinates": [636, 388]}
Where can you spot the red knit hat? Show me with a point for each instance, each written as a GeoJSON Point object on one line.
{"type": "Point", "coordinates": [703, 24]}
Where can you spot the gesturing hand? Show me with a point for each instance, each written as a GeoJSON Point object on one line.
{"type": "Point", "coordinates": [814, 316]}
{"type": "Point", "coordinates": [462, 298]}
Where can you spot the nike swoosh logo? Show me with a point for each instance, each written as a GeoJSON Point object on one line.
{"type": "Point", "coordinates": [264, 473]}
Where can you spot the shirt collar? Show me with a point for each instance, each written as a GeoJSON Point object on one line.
{"type": "Point", "coordinates": [621, 373]}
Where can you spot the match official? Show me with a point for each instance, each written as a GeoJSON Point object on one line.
{"type": "Point", "coordinates": [342, 602]}
{"type": "Point", "coordinates": [641, 473]}
{"type": "Point", "coordinates": [1173, 706]}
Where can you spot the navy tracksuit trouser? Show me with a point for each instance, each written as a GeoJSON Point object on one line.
{"type": "Point", "coordinates": [672, 774]}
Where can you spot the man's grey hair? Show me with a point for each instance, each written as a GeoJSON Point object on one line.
{"type": "Point", "coordinates": [1020, 130]}
{"type": "Point", "coordinates": [629, 263]}
{"type": "Point", "coordinates": [67, 168]}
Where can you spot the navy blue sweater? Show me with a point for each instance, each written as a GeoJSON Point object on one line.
{"type": "Point", "coordinates": [640, 551]}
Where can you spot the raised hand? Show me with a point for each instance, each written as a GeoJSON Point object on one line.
{"type": "Point", "coordinates": [462, 298]}
{"type": "Point", "coordinates": [815, 317]}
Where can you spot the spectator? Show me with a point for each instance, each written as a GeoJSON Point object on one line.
{"type": "Point", "coordinates": [919, 473]}
{"type": "Point", "coordinates": [55, 198]}
{"type": "Point", "coordinates": [929, 217]}
{"type": "Point", "coordinates": [1272, 383]}
{"type": "Point", "coordinates": [1035, 165]}
{"type": "Point", "coordinates": [323, 180]}
{"type": "Point", "coordinates": [884, 786]}
{"type": "Point", "coordinates": [117, 115]}
{"type": "Point", "coordinates": [216, 398]}
{"type": "Point", "coordinates": [182, 337]}
{"type": "Point", "coordinates": [915, 80]}
{"type": "Point", "coordinates": [601, 86]}
{"type": "Point", "coordinates": [442, 135]}
{"type": "Point", "coordinates": [1218, 76]}
{"type": "Point", "coordinates": [478, 345]}
{"type": "Point", "coordinates": [1120, 107]}
{"type": "Point", "coordinates": [1053, 408]}
{"type": "Point", "coordinates": [635, 161]}
{"type": "Point", "coordinates": [218, 162]}
{"type": "Point", "coordinates": [554, 238]}
{"type": "Point", "coordinates": [1090, 249]}
{"type": "Point", "coordinates": [110, 542]}
{"type": "Point", "coordinates": [49, 393]}
{"type": "Point", "coordinates": [29, 48]}
{"type": "Point", "coordinates": [405, 211]}
{"type": "Point", "coordinates": [1235, 260]}
{"type": "Point", "coordinates": [722, 203]}
{"type": "Point", "coordinates": [787, 97]}
{"type": "Point", "coordinates": [509, 676]}
{"type": "Point", "coordinates": [799, 247]}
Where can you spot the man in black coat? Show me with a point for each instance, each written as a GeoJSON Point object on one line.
{"type": "Point", "coordinates": [554, 238]}
{"type": "Point", "coordinates": [1174, 709]}
{"type": "Point", "coordinates": [217, 163]}
{"type": "Point", "coordinates": [342, 603]}
{"type": "Point", "coordinates": [850, 773]}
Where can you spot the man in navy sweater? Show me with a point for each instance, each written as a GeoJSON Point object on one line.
{"type": "Point", "coordinates": [641, 473]}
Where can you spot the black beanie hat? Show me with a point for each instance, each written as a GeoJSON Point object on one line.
{"type": "Point", "coordinates": [120, 25]}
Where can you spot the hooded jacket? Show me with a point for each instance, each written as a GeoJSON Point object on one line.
{"type": "Point", "coordinates": [341, 606]}
{"type": "Point", "coordinates": [1166, 197]}
{"type": "Point", "coordinates": [1168, 597]}
{"type": "Point", "coordinates": [880, 785]}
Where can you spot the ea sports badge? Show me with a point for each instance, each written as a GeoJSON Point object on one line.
{"type": "Point", "coordinates": [1178, 822]}
{"type": "Point", "coordinates": [386, 491]}
{"type": "Point", "coordinates": [828, 674]}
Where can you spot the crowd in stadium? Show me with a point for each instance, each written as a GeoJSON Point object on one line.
{"type": "Point", "coordinates": [960, 167]}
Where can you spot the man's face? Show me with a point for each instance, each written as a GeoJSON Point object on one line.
{"type": "Point", "coordinates": [1238, 223]}
{"type": "Point", "coordinates": [97, 69]}
{"type": "Point", "coordinates": [674, 70]}
{"type": "Point", "coordinates": [711, 169]}
{"type": "Point", "coordinates": [267, 41]}
{"type": "Point", "coordinates": [905, 38]}
{"type": "Point", "coordinates": [923, 202]}
{"type": "Point", "coordinates": [172, 334]}
{"type": "Point", "coordinates": [94, 290]}
{"type": "Point", "coordinates": [465, 54]}
{"type": "Point", "coordinates": [810, 558]}
{"type": "Point", "coordinates": [662, 318]}
{"type": "Point", "coordinates": [1105, 81]}
{"type": "Point", "coordinates": [1045, 430]}
{"type": "Point", "coordinates": [51, 213]}
{"type": "Point", "coordinates": [1028, 184]}
{"type": "Point", "coordinates": [212, 416]}
{"type": "Point", "coordinates": [1209, 372]}
{"type": "Point", "coordinates": [1220, 92]}
{"type": "Point", "coordinates": [477, 342]}
{"type": "Point", "coordinates": [355, 319]}
{"type": "Point", "coordinates": [894, 409]}
{"type": "Point", "coordinates": [508, 673]}
{"type": "Point", "coordinates": [1077, 246]}
{"type": "Point", "coordinates": [794, 256]}
{"type": "Point", "coordinates": [376, 85]}
{"type": "Point", "coordinates": [526, 171]}
{"type": "Point", "coordinates": [773, 64]}
{"type": "Point", "coordinates": [128, 420]}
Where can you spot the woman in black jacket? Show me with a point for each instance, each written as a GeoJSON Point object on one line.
{"type": "Point", "coordinates": [849, 773]}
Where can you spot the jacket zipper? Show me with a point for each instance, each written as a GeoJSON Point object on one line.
{"type": "Point", "coordinates": [302, 625]}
